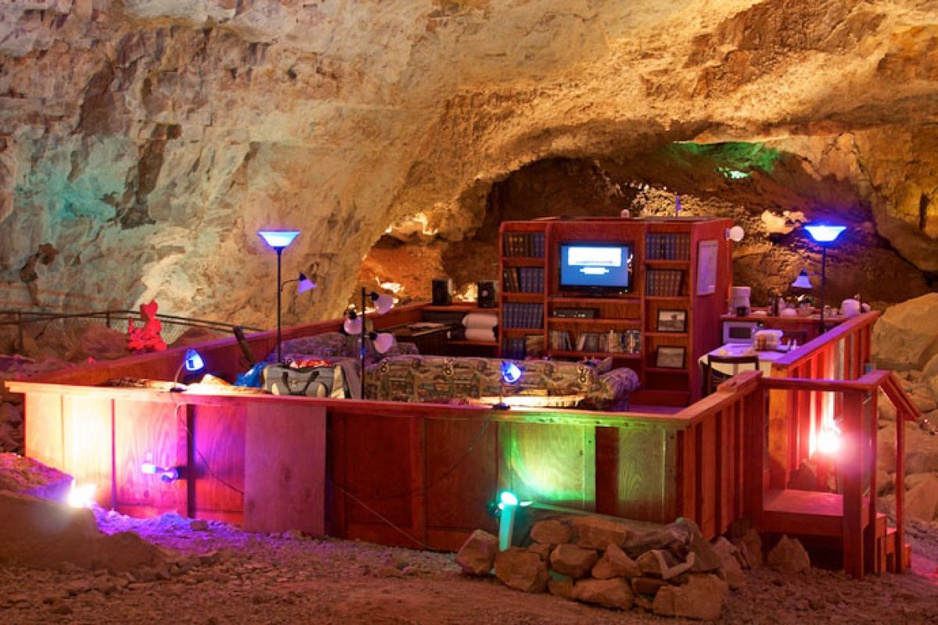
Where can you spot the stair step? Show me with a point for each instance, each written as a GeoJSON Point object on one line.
{"type": "Point", "coordinates": [803, 512]}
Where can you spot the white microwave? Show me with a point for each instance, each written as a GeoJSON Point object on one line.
{"type": "Point", "coordinates": [739, 331]}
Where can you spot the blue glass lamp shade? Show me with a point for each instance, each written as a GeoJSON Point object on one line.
{"type": "Point", "coordinates": [823, 233]}
{"type": "Point", "coordinates": [278, 239]}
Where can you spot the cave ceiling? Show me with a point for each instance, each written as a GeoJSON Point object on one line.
{"type": "Point", "coordinates": [146, 141]}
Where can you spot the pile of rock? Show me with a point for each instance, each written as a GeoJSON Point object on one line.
{"type": "Point", "coordinates": [615, 563]}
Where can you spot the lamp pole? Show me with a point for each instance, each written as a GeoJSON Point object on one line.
{"type": "Point", "coordinates": [823, 282]}
{"type": "Point", "coordinates": [824, 235]}
{"type": "Point", "coordinates": [277, 240]}
{"type": "Point", "coordinates": [279, 294]}
{"type": "Point", "coordinates": [361, 347]}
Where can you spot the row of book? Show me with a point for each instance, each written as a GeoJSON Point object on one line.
{"type": "Point", "coordinates": [515, 315]}
{"type": "Point", "coordinates": [624, 342]}
{"type": "Point", "coordinates": [521, 347]}
{"type": "Point", "coordinates": [523, 279]}
{"type": "Point", "coordinates": [663, 282]}
{"type": "Point", "coordinates": [530, 244]}
{"type": "Point", "coordinates": [667, 246]}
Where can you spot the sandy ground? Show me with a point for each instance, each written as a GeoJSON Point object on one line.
{"type": "Point", "coordinates": [218, 574]}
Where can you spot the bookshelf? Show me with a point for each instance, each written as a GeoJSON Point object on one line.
{"type": "Point", "coordinates": [659, 327]}
{"type": "Point", "coordinates": [522, 253]}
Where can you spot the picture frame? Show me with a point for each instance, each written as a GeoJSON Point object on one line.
{"type": "Point", "coordinates": [707, 267]}
{"type": "Point", "coordinates": [670, 357]}
{"type": "Point", "coordinates": [672, 321]}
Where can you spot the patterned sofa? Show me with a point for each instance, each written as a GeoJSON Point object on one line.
{"type": "Point", "coordinates": [332, 345]}
{"type": "Point", "coordinates": [443, 379]}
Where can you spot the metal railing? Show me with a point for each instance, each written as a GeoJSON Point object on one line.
{"type": "Point", "coordinates": [118, 320]}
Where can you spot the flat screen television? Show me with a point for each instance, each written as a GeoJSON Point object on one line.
{"type": "Point", "coordinates": [596, 268]}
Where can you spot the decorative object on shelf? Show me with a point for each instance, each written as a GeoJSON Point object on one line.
{"type": "Point", "coordinates": [824, 235]}
{"type": "Point", "coordinates": [355, 324]}
{"type": "Point", "coordinates": [487, 297]}
{"type": "Point", "coordinates": [672, 321]}
{"type": "Point", "coordinates": [707, 267]}
{"type": "Point", "coordinates": [670, 357]}
{"type": "Point", "coordinates": [278, 240]}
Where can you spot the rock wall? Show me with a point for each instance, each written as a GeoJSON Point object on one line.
{"type": "Point", "coordinates": [147, 141]}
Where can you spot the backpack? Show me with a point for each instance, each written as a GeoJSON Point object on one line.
{"type": "Point", "coordinates": [317, 381]}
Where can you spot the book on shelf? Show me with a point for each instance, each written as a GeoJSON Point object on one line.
{"type": "Point", "coordinates": [529, 244]}
{"type": "Point", "coordinates": [667, 246]}
{"type": "Point", "coordinates": [560, 340]}
{"type": "Point", "coordinates": [519, 315]}
{"type": "Point", "coordinates": [663, 282]}
{"type": "Point", "coordinates": [513, 347]}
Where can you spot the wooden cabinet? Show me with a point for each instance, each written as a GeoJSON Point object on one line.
{"type": "Point", "coordinates": [659, 324]}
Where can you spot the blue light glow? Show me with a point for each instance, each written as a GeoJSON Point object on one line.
{"type": "Point", "coordinates": [824, 233]}
{"type": "Point", "coordinates": [193, 361]}
{"type": "Point", "coordinates": [278, 239]}
{"type": "Point", "coordinates": [511, 373]}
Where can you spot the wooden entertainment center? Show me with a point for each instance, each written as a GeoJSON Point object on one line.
{"type": "Point", "coordinates": [659, 324]}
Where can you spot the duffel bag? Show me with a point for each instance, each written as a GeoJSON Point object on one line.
{"type": "Point", "coordinates": [321, 381]}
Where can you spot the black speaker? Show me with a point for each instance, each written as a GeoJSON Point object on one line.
{"type": "Point", "coordinates": [442, 292]}
{"type": "Point", "coordinates": [487, 296]}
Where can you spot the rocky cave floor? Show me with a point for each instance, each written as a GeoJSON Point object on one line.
{"type": "Point", "coordinates": [216, 573]}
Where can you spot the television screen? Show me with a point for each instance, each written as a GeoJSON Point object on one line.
{"type": "Point", "coordinates": [604, 267]}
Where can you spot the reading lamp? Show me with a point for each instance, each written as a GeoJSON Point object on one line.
{"type": "Point", "coordinates": [802, 281]}
{"type": "Point", "coordinates": [355, 325]}
{"type": "Point", "coordinates": [509, 374]}
{"type": "Point", "coordinates": [278, 240]}
{"type": "Point", "coordinates": [824, 235]}
{"type": "Point", "coordinates": [192, 363]}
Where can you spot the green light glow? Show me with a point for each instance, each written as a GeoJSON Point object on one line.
{"type": "Point", "coordinates": [733, 160]}
{"type": "Point", "coordinates": [508, 498]}
{"type": "Point", "coordinates": [538, 472]}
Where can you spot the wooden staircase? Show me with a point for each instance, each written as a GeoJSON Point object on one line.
{"type": "Point", "coordinates": [817, 514]}
{"type": "Point", "coordinates": [848, 518]}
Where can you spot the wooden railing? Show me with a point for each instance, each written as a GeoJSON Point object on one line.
{"type": "Point", "coordinates": [423, 474]}
{"type": "Point", "coordinates": [797, 422]}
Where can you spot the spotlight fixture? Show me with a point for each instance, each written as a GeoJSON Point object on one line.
{"type": "Point", "coordinates": [192, 363]}
{"type": "Point", "coordinates": [508, 504]}
{"type": "Point", "coordinates": [354, 324]}
{"type": "Point", "coordinates": [824, 235]}
{"type": "Point", "coordinates": [278, 240]}
{"type": "Point", "coordinates": [170, 474]}
{"type": "Point", "coordinates": [510, 373]}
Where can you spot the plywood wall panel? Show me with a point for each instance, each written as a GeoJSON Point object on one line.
{"type": "Point", "coordinates": [461, 473]}
{"type": "Point", "coordinates": [43, 429]}
{"type": "Point", "coordinates": [285, 467]}
{"type": "Point", "coordinates": [87, 444]}
{"type": "Point", "coordinates": [551, 463]}
{"type": "Point", "coordinates": [149, 431]}
{"type": "Point", "coordinates": [217, 458]}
